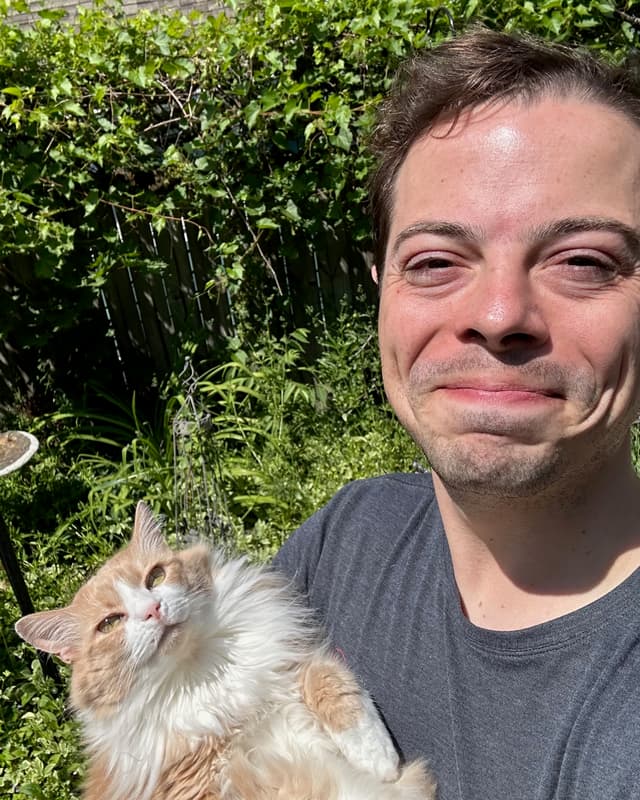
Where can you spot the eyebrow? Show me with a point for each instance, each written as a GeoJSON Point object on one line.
{"type": "Point", "coordinates": [541, 233]}
{"type": "Point", "coordinates": [565, 227]}
{"type": "Point", "coordinates": [452, 230]}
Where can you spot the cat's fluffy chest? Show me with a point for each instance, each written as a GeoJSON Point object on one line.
{"type": "Point", "coordinates": [231, 668]}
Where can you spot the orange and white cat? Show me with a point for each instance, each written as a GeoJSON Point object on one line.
{"type": "Point", "coordinates": [200, 678]}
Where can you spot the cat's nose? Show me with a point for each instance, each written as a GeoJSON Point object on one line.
{"type": "Point", "coordinates": [152, 612]}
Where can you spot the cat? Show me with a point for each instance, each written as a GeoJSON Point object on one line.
{"type": "Point", "coordinates": [197, 677]}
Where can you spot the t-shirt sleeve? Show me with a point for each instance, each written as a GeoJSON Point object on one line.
{"type": "Point", "coordinates": [339, 551]}
{"type": "Point", "coordinates": [299, 555]}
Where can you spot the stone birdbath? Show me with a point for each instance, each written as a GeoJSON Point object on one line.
{"type": "Point", "coordinates": [16, 448]}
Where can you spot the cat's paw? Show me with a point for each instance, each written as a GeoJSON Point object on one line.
{"type": "Point", "coordinates": [348, 715]}
{"type": "Point", "coordinates": [367, 744]}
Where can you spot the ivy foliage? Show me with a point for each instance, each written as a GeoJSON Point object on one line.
{"type": "Point", "coordinates": [249, 125]}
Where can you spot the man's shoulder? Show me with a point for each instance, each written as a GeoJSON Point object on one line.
{"type": "Point", "coordinates": [393, 487]}
{"type": "Point", "coordinates": [363, 518]}
{"type": "Point", "coordinates": [386, 502]}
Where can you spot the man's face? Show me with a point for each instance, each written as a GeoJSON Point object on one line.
{"type": "Point", "coordinates": [510, 301]}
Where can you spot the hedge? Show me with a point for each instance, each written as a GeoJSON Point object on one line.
{"type": "Point", "coordinates": [249, 125]}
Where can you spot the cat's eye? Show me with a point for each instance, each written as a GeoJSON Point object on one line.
{"type": "Point", "coordinates": [110, 622]}
{"type": "Point", "coordinates": [155, 577]}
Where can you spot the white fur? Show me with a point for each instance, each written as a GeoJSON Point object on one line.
{"type": "Point", "coordinates": [245, 640]}
{"type": "Point", "coordinates": [291, 734]}
{"type": "Point", "coordinates": [367, 744]}
{"type": "Point", "coordinates": [142, 634]}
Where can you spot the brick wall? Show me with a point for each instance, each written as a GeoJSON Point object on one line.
{"type": "Point", "coordinates": [130, 7]}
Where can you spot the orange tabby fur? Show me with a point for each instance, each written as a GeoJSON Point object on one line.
{"type": "Point", "coordinates": [197, 678]}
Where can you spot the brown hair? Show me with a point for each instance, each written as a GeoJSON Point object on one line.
{"type": "Point", "coordinates": [478, 67]}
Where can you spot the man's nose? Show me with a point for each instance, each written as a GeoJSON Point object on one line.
{"type": "Point", "coordinates": [503, 311]}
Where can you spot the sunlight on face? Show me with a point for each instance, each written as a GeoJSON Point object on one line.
{"type": "Point", "coordinates": [510, 303]}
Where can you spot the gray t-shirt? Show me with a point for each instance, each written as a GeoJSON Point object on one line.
{"type": "Point", "coordinates": [552, 711]}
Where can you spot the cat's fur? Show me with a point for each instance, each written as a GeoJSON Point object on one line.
{"type": "Point", "coordinates": [200, 678]}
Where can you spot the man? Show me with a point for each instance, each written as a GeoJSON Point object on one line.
{"type": "Point", "coordinates": [492, 608]}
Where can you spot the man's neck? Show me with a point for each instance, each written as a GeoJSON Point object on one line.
{"type": "Point", "coordinates": [520, 562]}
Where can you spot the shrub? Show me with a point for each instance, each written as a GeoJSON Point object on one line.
{"type": "Point", "coordinates": [245, 129]}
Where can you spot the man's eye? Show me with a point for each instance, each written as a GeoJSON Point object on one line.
{"type": "Point", "coordinates": [429, 263]}
{"type": "Point", "coordinates": [591, 261]}
{"type": "Point", "coordinates": [430, 270]}
{"type": "Point", "coordinates": [584, 266]}
{"type": "Point", "coordinates": [110, 622]}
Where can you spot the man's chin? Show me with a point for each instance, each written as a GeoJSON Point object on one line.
{"type": "Point", "coordinates": [501, 471]}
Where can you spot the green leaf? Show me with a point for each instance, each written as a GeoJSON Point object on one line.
{"type": "Point", "coordinates": [291, 212]}
{"type": "Point", "coordinates": [65, 86]}
{"type": "Point", "coordinates": [292, 106]}
{"type": "Point", "coordinates": [32, 790]}
{"type": "Point", "coordinates": [264, 223]}
{"type": "Point", "coordinates": [91, 202]}
{"type": "Point", "coordinates": [343, 138]}
{"type": "Point", "coordinates": [141, 76]}
{"type": "Point", "coordinates": [270, 100]}
{"type": "Point", "coordinates": [178, 67]}
{"type": "Point", "coordinates": [251, 113]}
{"type": "Point", "coordinates": [71, 107]}
{"type": "Point", "coordinates": [470, 9]}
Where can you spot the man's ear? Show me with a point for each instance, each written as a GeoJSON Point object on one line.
{"type": "Point", "coordinates": [374, 275]}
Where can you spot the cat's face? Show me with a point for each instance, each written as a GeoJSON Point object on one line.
{"type": "Point", "coordinates": [134, 620]}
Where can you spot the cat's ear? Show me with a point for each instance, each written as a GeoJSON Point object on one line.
{"type": "Point", "coordinates": [56, 632]}
{"type": "Point", "coordinates": [147, 530]}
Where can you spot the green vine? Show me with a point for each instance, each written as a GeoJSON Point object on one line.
{"type": "Point", "coordinates": [250, 126]}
